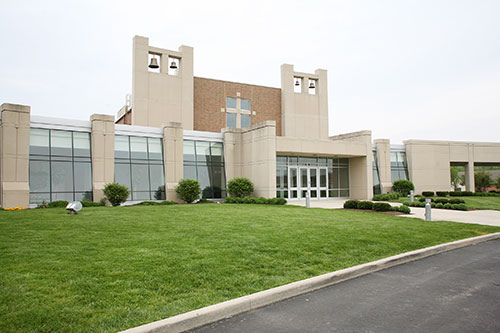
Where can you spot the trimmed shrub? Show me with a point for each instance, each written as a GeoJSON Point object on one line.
{"type": "Point", "coordinates": [382, 207]}
{"type": "Point", "coordinates": [455, 193]}
{"type": "Point", "coordinates": [351, 204]}
{"type": "Point", "coordinates": [365, 205]}
{"type": "Point", "coordinates": [91, 204]}
{"type": "Point", "coordinates": [428, 193]}
{"type": "Point", "coordinates": [455, 201]}
{"type": "Point", "coordinates": [467, 193]}
{"type": "Point", "coordinates": [116, 193]}
{"type": "Point", "coordinates": [403, 186]}
{"type": "Point", "coordinates": [441, 200]}
{"type": "Point", "coordinates": [448, 206]}
{"type": "Point", "coordinates": [439, 205]}
{"type": "Point", "coordinates": [386, 197]}
{"type": "Point", "coordinates": [403, 209]}
{"type": "Point", "coordinates": [459, 207]}
{"type": "Point", "coordinates": [254, 200]}
{"type": "Point", "coordinates": [240, 187]}
{"type": "Point", "coordinates": [188, 190]}
{"type": "Point", "coordinates": [442, 193]}
{"type": "Point", "coordinates": [58, 204]}
{"type": "Point", "coordinates": [43, 204]}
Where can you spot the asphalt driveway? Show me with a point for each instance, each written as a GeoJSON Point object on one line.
{"type": "Point", "coordinates": [456, 291]}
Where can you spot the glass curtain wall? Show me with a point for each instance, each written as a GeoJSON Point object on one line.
{"type": "Point", "coordinates": [204, 162]}
{"type": "Point", "coordinates": [399, 166]}
{"type": "Point", "coordinates": [320, 177]}
{"type": "Point", "coordinates": [139, 166]}
{"type": "Point", "coordinates": [60, 166]}
{"type": "Point", "coordinates": [376, 178]}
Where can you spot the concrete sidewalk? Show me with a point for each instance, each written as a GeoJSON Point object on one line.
{"type": "Point", "coordinates": [485, 217]}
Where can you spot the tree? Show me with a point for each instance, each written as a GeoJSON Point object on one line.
{"type": "Point", "coordinates": [482, 180]}
{"type": "Point", "coordinates": [456, 179]}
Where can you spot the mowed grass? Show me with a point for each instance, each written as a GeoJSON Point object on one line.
{"type": "Point", "coordinates": [108, 269]}
{"type": "Point", "coordinates": [492, 203]}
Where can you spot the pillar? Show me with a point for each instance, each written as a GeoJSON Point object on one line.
{"type": "Point", "coordinates": [173, 158]}
{"type": "Point", "coordinates": [103, 152]}
{"type": "Point", "coordinates": [14, 155]}
{"type": "Point", "coordinates": [383, 149]}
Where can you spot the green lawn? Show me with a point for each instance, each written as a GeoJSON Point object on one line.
{"type": "Point", "coordinates": [473, 202]}
{"type": "Point", "coordinates": [108, 269]}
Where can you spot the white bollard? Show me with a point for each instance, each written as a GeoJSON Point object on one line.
{"type": "Point", "coordinates": [308, 203]}
{"type": "Point", "coordinates": [428, 209]}
{"type": "Point", "coordinates": [412, 197]}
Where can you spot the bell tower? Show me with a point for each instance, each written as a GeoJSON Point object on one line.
{"type": "Point", "coordinates": [162, 85]}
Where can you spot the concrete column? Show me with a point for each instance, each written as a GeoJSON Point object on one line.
{"type": "Point", "coordinates": [14, 155]}
{"type": "Point", "coordinates": [232, 152]}
{"type": "Point", "coordinates": [173, 158]}
{"type": "Point", "coordinates": [470, 184]}
{"type": "Point", "coordinates": [103, 152]}
{"type": "Point", "coordinates": [383, 147]}
{"type": "Point", "coordinates": [361, 171]}
{"type": "Point", "coordinates": [322, 92]}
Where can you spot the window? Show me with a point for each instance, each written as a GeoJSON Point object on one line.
{"type": "Point", "coordinates": [204, 162]}
{"type": "Point", "coordinates": [399, 168]}
{"type": "Point", "coordinates": [231, 120]}
{"type": "Point", "coordinates": [245, 120]}
{"type": "Point", "coordinates": [60, 166]}
{"type": "Point", "coordinates": [139, 166]}
{"type": "Point", "coordinates": [238, 112]}
{"type": "Point", "coordinates": [245, 104]}
{"type": "Point", "coordinates": [230, 103]}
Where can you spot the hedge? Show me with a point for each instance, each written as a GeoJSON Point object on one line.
{"type": "Point", "coordinates": [382, 207]}
{"type": "Point", "coordinates": [386, 197]}
{"type": "Point", "coordinates": [352, 204]}
{"type": "Point", "coordinates": [442, 193]}
{"type": "Point", "coordinates": [253, 200]}
{"type": "Point", "coordinates": [155, 203]}
{"type": "Point", "coordinates": [440, 205]}
{"type": "Point", "coordinates": [365, 205]}
{"type": "Point", "coordinates": [428, 193]}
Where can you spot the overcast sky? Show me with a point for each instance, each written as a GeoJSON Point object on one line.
{"type": "Point", "coordinates": [422, 69]}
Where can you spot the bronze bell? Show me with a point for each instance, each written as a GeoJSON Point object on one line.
{"type": "Point", "coordinates": [311, 85]}
{"type": "Point", "coordinates": [154, 63]}
{"type": "Point", "coordinates": [297, 83]}
{"type": "Point", "coordinates": [173, 65]}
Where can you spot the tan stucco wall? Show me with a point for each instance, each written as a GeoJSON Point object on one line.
{"type": "Point", "coordinates": [304, 115]}
{"type": "Point", "coordinates": [14, 155]}
{"type": "Point", "coordinates": [160, 98]}
{"type": "Point", "coordinates": [173, 158]}
{"type": "Point", "coordinates": [210, 99]}
{"type": "Point", "coordinates": [103, 152]}
{"type": "Point", "coordinates": [429, 161]}
{"type": "Point", "coordinates": [251, 153]}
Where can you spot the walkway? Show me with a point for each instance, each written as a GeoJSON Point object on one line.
{"type": "Point", "coordinates": [456, 291]}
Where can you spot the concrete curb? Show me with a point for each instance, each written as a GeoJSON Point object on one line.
{"type": "Point", "coordinates": [212, 313]}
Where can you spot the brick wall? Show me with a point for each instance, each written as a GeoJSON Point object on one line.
{"type": "Point", "coordinates": [210, 96]}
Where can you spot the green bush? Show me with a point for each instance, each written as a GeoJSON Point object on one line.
{"type": "Point", "coordinates": [442, 193]}
{"type": "Point", "coordinates": [459, 207]}
{"type": "Point", "coordinates": [386, 197]}
{"type": "Point", "coordinates": [351, 204]}
{"type": "Point", "coordinates": [382, 207]}
{"type": "Point", "coordinates": [258, 200]}
{"type": "Point", "coordinates": [439, 205]}
{"type": "Point", "coordinates": [448, 206]}
{"type": "Point", "coordinates": [58, 204]}
{"type": "Point", "coordinates": [240, 187]}
{"type": "Point", "coordinates": [43, 204]}
{"type": "Point", "coordinates": [455, 193]}
{"type": "Point", "coordinates": [91, 204]}
{"type": "Point", "coordinates": [455, 201]}
{"type": "Point", "coordinates": [403, 209]}
{"type": "Point", "coordinates": [467, 193]}
{"type": "Point", "coordinates": [441, 200]}
{"type": "Point", "coordinates": [403, 186]}
{"type": "Point", "coordinates": [365, 205]}
{"type": "Point", "coordinates": [428, 193]}
{"type": "Point", "coordinates": [116, 193]}
{"type": "Point", "coordinates": [188, 190]}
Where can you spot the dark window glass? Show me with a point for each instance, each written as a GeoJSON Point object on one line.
{"type": "Point", "coordinates": [202, 151]}
{"type": "Point", "coordinates": [344, 177]}
{"type": "Point", "coordinates": [138, 148]}
{"type": "Point", "coordinates": [39, 141]}
{"type": "Point", "coordinates": [245, 120]}
{"type": "Point", "coordinates": [83, 177]}
{"type": "Point", "coordinates": [231, 120]}
{"type": "Point", "coordinates": [61, 143]}
{"type": "Point", "coordinates": [62, 177]}
{"type": "Point", "coordinates": [39, 176]}
{"type": "Point", "coordinates": [81, 144]}
{"type": "Point", "coordinates": [140, 178]}
{"type": "Point", "coordinates": [122, 146]}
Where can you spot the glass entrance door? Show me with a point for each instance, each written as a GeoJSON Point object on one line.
{"type": "Point", "coordinates": [323, 183]}
{"type": "Point", "coordinates": [304, 182]}
{"type": "Point", "coordinates": [293, 184]}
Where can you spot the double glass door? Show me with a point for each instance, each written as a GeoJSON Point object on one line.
{"type": "Point", "coordinates": [308, 181]}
